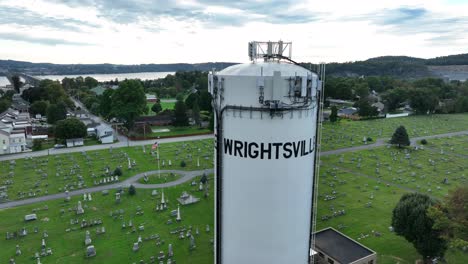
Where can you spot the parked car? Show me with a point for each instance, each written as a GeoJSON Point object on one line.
{"type": "Point", "coordinates": [58, 146]}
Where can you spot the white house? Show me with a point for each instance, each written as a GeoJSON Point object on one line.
{"type": "Point", "coordinates": [105, 134]}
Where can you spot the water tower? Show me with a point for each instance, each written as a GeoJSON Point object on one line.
{"type": "Point", "coordinates": [266, 130]}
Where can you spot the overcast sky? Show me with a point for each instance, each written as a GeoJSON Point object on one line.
{"type": "Point", "coordinates": [171, 31]}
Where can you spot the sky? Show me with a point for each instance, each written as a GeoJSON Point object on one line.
{"type": "Point", "coordinates": [194, 31]}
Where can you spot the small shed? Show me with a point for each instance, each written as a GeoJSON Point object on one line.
{"type": "Point", "coordinates": [74, 142]}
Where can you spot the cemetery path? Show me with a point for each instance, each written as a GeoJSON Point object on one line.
{"type": "Point", "coordinates": [383, 142]}
{"type": "Point", "coordinates": [186, 176]}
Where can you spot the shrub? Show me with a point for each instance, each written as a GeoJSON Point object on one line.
{"type": "Point", "coordinates": [37, 144]}
{"type": "Point", "coordinates": [369, 139]}
{"type": "Point", "coordinates": [118, 171]}
{"type": "Point", "coordinates": [424, 141]}
{"type": "Point", "coordinates": [132, 190]}
{"type": "Point", "coordinates": [183, 164]}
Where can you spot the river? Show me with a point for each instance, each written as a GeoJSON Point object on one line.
{"type": "Point", "coordinates": [112, 76]}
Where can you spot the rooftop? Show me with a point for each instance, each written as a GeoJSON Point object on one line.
{"type": "Point", "coordinates": [339, 246]}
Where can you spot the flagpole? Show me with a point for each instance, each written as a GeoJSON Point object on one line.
{"type": "Point", "coordinates": [159, 170]}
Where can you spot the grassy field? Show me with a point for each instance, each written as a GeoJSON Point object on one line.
{"type": "Point", "coordinates": [157, 179]}
{"type": "Point", "coordinates": [55, 173]}
{"type": "Point", "coordinates": [346, 133]}
{"type": "Point", "coordinates": [177, 131]}
{"type": "Point", "coordinates": [366, 194]}
{"type": "Point", "coordinates": [164, 104]}
{"type": "Point", "coordinates": [115, 246]}
{"type": "Point", "coordinates": [369, 197]}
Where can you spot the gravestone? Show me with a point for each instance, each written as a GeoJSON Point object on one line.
{"type": "Point", "coordinates": [136, 247]}
{"type": "Point", "coordinates": [90, 251]}
{"type": "Point", "coordinates": [79, 209]}
{"type": "Point", "coordinates": [88, 238]}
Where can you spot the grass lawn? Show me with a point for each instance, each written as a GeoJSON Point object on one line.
{"type": "Point", "coordinates": [157, 179]}
{"type": "Point", "coordinates": [115, 246]}
{"type": "Point", "coordinates": [366, 194]}
{"type": "Point", "coordinates": [346, 133]}
{"type": "Point", "coordinates": [164, 104]}
{"type": "Point", "coordinates": [55, 173]}
{"type": "Point", "coordinates": [177, 131]}
{"type": "Point", "coordinates": [355, 187]}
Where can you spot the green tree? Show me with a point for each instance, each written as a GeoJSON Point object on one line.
{"type": "Point", "coordinates": [132, 190]}
{"type": "Point", "coordinates": [400, 137]}
{"type": "Point", "coordinates": [334, 114]}
{"type": "Point", "coordinates": [37, 144]}
{"type": "Point", "coordinates": [39, 107]}
{"type": "Point", "coordinates": [205, 101]}
{"type": "Point", "coordinates": [423, 100]}
{"type": "Point", "coordinates": [4, 105]}
{"type": "Point", "coordinates": [410, 220]}
{"type": "Point", "coordinates": [366, 109]}
{"type": "Point", "coordinates": [180, 113]}
{"type": "Point", "coordinates": [56, 112]}
{"type": "Point", "coordinates": [191, 99]}
{"type": "Point", "coordinates": [393, 98]}
{"type": "Point", "coordinates": [196, 113]}
{"type": "Point", "coordinates": [90, 82]}
{"type": "Point", "coordinates": [105, 103]}
{"type": "Point", "coordinates": [156, 108]}
{"type": "Point", "coordinates": [129, 102]}
{"type": "Point", "coordinates": [16, 83]}
{"type": "Point", "coordinates": [70, 128]}
{"type": "Point", "coordinates": [451, 217]}
{"type": "Point", "coordinates": [118, 171]}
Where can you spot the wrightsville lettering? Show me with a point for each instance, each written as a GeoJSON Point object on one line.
{"type": "Point", "coordinates": [276, 150]}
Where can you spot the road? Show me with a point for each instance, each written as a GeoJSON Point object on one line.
{"type": "Point", "coordinates": [186, 176]}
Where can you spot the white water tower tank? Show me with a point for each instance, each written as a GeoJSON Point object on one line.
{"type": "Point", "coordinates": [266, 128]}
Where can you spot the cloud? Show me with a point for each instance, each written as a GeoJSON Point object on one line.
{"type": "Point", "coordinates": [40, 40]}
{"type": "Point", "coordinates": [242, 12]}
{"type": "Point", "coordinates": [19, 16]}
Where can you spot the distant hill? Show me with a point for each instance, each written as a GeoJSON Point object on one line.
{"type": "Point", "coordinates": [403, 67]}
{"type": "Point", "coordinates": [63, 69]}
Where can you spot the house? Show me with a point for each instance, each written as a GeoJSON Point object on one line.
{"type": "Point", "coordinates": [17, 143]}
{"type": "Point", "coordinates": [74, 142]}
{"type": "Point", "coordinates": [347, 111]}
{"type": "Point", "coordinates": [334, 247]}
{"type": "Point", "coordinates": [151, 98]}
{"type": "Point", "coordinates": [105, 134]}
{"type": "Point", "coordinates": [379, 105]}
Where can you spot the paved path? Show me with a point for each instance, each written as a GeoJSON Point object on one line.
{"type": "Point", "coordinates": [186, 176]}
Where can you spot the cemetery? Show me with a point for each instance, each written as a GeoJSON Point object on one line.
{"type": "Point", "coordinates": [346, 133]}
{"type": "Point", "coordinates": [367, 185]}
{"type": "Point", "coordinates": [357, 192]}
{"type": "Point", "coordinates": [39, 176]}
{"type": "Point", "coordinates": [101, 230]}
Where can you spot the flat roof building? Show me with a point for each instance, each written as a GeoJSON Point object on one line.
{"type": "Point", "coordinates": [334, 247]}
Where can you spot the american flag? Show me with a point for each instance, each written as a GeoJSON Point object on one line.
{"type": "Point", "coordinates": [155, 145]}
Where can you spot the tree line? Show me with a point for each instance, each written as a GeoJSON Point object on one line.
{"type": "Point", "coordinates": [427, 95]}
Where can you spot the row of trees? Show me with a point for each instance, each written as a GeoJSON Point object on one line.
{"type": "Point", "coordinates": [49, 99]}
{"type": "Point", "coordinates": [423, 95]}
